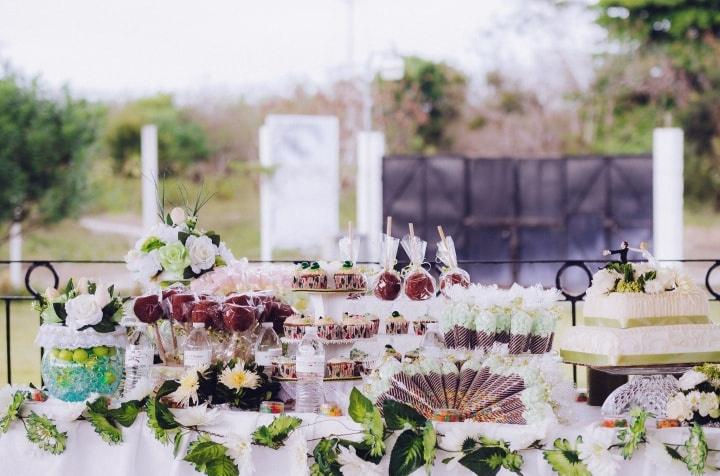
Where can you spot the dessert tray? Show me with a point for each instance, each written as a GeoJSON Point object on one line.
{"type": "Point", "coordinates": [325, 379]}
{"type": "Point", "coordinates": [330, 291]}
{"type": "Point", "coordinates": [287, 340]}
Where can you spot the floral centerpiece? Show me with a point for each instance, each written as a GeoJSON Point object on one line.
{"type": "Point", "coordinates": [176, 249]}
{"type": "Point", "coordinates": [644, 277]}
{"type": "Point", "coordinates": [697, 401]}
{"type": "Point", "coordinates": [82, 338]}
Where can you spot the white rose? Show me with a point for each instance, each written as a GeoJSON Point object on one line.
{"type": "Point", "coordinates": [693, 399]}
{"type": "Point", "coordinates": [82, 285]}
{"type": "Point", "coordinates": [678, 408]}
{"type": "Point", "coordinates": [102, 295]}
{"type": "Point", "coordinates": [654, 287]}
{"type": "Point", "coordinates": [666, 277]}
{"type": "Point", "coordinates": [641, 268]}
{"type": "Point", "coordinates": [225, 253]}
{"type": "Point", "coordinates": [202, 253]}
{"type": "Point", "coordinates": [708, 403]}
{"type": "Point", "coordinates": [691, 379]}
{"type": "Point", "coordinates": [177, 215]}
{"type": "Point", "coordinates": [82, 310]}
{"type": "Point", "coordinates": [603, 282]}
{"type": "Point", "coordinates": [143, 265]}
{"type": "Point", "coordinates": [165, 233]}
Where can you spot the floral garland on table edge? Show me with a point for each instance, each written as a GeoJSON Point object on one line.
{"type": "Point", "coordinates": [176, 249]}
{"type": "Point", "coordinates": [417, 443]}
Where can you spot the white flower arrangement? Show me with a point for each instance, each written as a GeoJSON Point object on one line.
{"type": "Point", "coordinates": [698, 399]}
{"type": "Point", "coordinates": [644, 277]}
{"type": "Point", "coordinates": [177, 249]}
{"type": "Point", "coordinates": [594, 451]}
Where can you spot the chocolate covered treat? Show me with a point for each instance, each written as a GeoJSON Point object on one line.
{"type": "Point", "coordinates": [294, 326]}
{"type": "Point", "coordinates": [181, 306]}
{"type": "Point", "coordinates": [310, 276]}
{"type": "Point", "coordinates": [206, 311]}
{"type": "Point", "coordinates": [451, 279]}
{"type": "Point", "coordinates": [388, 286]}
{"type": "Point", "coordinates": [148, 308]}
{"type": "Point", "coordinates": [419, 286]}
{"type": "Point", "coordinates": [237, 318]}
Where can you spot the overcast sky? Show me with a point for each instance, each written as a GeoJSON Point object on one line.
{"type": "Point", "coordinates": [133, 47]}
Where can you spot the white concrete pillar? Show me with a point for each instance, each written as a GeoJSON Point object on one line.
{"type": "Point", "coordinates": [149, 167]}
{"type": "Point", "coordinates": [266, 245]}
{"type": "Point", "coordinates": [15, 249]}
{"type": "Point", "coordinates": [369, 200]}
{"type": "Point", "coordinates": [668, 193]}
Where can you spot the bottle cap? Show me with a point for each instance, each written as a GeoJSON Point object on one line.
{"type": "Point", "coordinates": [198, 324]}
{"type": "Point", "coordinates": [267, 324]}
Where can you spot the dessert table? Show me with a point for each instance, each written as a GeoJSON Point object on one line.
{"type": "Point", "coordinates": [140, 454]}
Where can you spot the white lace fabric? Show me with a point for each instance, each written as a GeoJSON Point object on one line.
{"type": "Point", "coordinates": [58, 336]}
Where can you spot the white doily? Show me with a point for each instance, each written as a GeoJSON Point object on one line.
{"type": "Point", "coordinates": [58, 336]}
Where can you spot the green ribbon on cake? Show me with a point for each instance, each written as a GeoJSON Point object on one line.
{"type": "Point", "coordinates": [645, 321]}
{"type": "Point", "coordinates": [599, 360]}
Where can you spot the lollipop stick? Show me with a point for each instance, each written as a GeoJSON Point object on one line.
{"type": "Point", "coordinates": [388, 227]}
{"type": "Point", "coordinates": [161, 348]}
{"type": "Point", "coordinates": [412, 240]}
{"type": "Point", "coordinates": [442, 236]}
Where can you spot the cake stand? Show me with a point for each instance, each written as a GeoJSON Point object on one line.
{"type": "Point", "coordinates": [650, 387]}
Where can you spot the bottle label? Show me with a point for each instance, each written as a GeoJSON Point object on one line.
{"type": "Point", "coordinates": [265, 357]}
{"type": "Point", "coordinates": [137, 356]}
{"type": "Point", "coordinates": [197, 358]}
{"type": "Point", "coordinates": [310, 366]}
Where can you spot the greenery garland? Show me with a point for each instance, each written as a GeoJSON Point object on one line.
{"type": "Point", "coordinates": [416, 445]}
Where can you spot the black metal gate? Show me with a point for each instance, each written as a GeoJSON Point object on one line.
{"type": "Point", "coordinates": [521, 209]}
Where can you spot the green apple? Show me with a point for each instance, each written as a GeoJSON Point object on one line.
{"type": "Point", "coordinates": [109, 378]}
{"type": "Point", "coordinates": [66, 354]}
{"type": "Point", "coordinates": [80, 356]}
{"type": "Point", "coordinates": [56, 352]}
{"type": "Point", "coordinates": [101, 351]}
{"type": "Point", "coordinates": [112, 351]}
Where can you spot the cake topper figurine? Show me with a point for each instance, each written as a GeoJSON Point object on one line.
{"type": "Point", "coordinates": [625, 248]}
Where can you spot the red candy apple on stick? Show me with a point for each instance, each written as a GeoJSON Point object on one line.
{"type": "Point", "coordinates": [148, 309]}
{"type": "Point", "coordinates": [418, 285]}
{"type": "Point", "coordinates": [452, 274]}
{"type": "Point", "coordinates": [389, 283]}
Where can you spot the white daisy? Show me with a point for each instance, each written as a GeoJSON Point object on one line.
{"type": "Point", "coordinates": [198, 415]}
{"type": "Point", "coordinates": [594, 452]}
{"type": "Point", "coordinates": [297, 444]}
{"type": "Point", "coordinates": [352, 465]}
{"type": "Point", "coordinates": [238, 378]}
{"type": "Point", "coordinates": [679, 408]}
{"type": "Point", "coordinates": [239, 448]}
{"type": "Point", "coordinates": [186, 393]}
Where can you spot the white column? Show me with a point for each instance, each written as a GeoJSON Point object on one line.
{"type": "Point", "coordinates": [15, 248]}
{"type": "Point", "coordinates": [149, 159]}
{"type": "Point", "coordinates": [266, 245]}
{"type": "Point", "coordinates": [668, 193]}
{"type": "Point", "coordinates": [371, 148]}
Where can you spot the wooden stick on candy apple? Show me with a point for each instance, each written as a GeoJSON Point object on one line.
{"type": "Point", "coordinates": [148, 310]}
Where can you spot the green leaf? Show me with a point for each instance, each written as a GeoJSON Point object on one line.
{"type": "Point", "coordinates": [325, 456]}
{"type": "Point", "coordinates": [399, 416]}
{"type": "Point", "coordinates": [152, 243]}
{"type": "Point", "coordinates": [161, 434]}
{"type": "Point", "coordinates": [104, 427]}
{"type": "Point", "coordinates": [177, 442]}
{"type": "Point", "coordinates": [214, 237]}
{"type": "Point", "coordinates": [183, 236]}
{"type": "Point", "coordinates": [407, 454]}
{"type": "Point", "coordinates": [43, 433]}
{"type": "Point", "coordinates": [360, 406]}
{"type": "Point", "coordinates": [203, 450]}
{"type": "Point", "coordinates": [275, 434]}
{"type": "Point", "coordinates": [485, 460]}
{"type": "Point", "coordinates": [59, 309]}
{"type": "Point", "coordinates": [13, 409]}
{"type": "Point", "coordinates": [222, 467]}
{"type": "Point", "coordinates": [429, 446]}
{"type": "Point", "coordinates": [127, 413]}
{"type": "Point", "coordinates": [168, 387]}
{"type": "Point", "coordinates": [565, 460]}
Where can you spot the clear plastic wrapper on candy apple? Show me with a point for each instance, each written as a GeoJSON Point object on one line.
{"type": "Point", "coordinates": [452, 274]}
{"type": "Point", "coordinates": [388, 284]}
{"type": "Point", "coordinates": [418, 284]}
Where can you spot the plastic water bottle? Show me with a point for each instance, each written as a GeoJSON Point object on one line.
{"type": "Point", "coordinates": [433, 342]}
{"type": "Point", "coordinates": [138, 357]}
{"type": "Point", "coordinates": [310, 369]}
{"type": "Point", "coordinates": [198, 351]}
{"type": "Point", "coordinates": [267, 347]}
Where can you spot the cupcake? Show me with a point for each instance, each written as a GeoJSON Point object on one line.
{"type": "Point", "coordinates": [420, 325]}
{"type": "Point", "coordinates": [354, 327]}
{"type": "Point", "coordinates": [362, 364]}
{"type": "Point", "coordinates": [310, 276]}
{"type": "Point", "coordinates": [391, 353]}
{"type": "Point", "coordinates": [284, 367]}
{"type": "Point", "coordinates": [327, 328]}
{"type": "Point", "coordinates": [340, 367]}
{"type": "Point", "coordinates": [375, 324]}
{"type": "Point", "coordinates": [348, 277]}
{"type": "Point", "coordinates": [396, 324]}
{"type": "Point", "coordinates": [294, 326]}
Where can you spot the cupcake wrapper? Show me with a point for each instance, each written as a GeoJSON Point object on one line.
{"type": "Point", "coordinates": [518, 343]}
{"type": "Point", "coordinates": [540, 345]}
{"type": "Point", "coordinates": [450, 338]}
{"type": "Point", "coordinates": [464, 337]}
{"type": "Point", "coordinates": [502, 337]}
{"type": "Point", "coordinates": [485, 340]}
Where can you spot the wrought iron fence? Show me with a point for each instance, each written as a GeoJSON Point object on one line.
{"type": "Point", "coordinates": [572, 294]}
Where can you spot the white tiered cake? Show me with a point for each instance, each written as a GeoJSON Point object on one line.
{"type": "Point", "coordinates": [642, 314]}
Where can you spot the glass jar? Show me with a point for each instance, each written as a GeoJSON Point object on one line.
{"type": "Point", "coordinates": [73, 374]}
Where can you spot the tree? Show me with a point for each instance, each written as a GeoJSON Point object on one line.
{"type": "Point", "coordinates": [181, 140]}
{"type": "Point", "coordinates": [668, 68]}
{"type": "Point", "coordinates": [417, 110]}
{"type": "Point", "coordinates": [44, 144]}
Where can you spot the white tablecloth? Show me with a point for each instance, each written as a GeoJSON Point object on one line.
{"type": "Point", "coordinates": [140, 454]}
